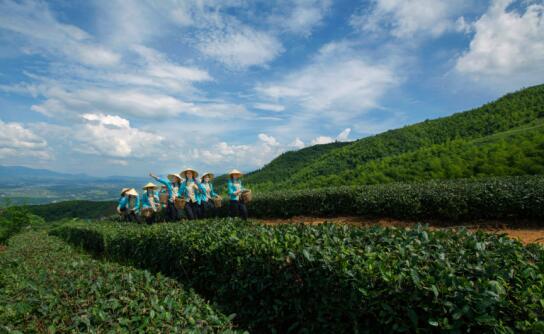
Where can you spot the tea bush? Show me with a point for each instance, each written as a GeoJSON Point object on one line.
{"type": "Point", "coordinates": [335, 279]}
{"type": "Point", "coordinates": [47, 287]}
{"type": "Point", "coordinates": [465, 199]}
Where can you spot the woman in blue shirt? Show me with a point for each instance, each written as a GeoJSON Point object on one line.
{"type": "Point", "coordinates": [206, 202]}
{"type": "Point", "coordinates": [236, 207]}
{"type": "Point", "coordinates": [191, 190]}
{"type": "Point", "coordinates": [150, 203]}
{"type": "Point", "coordinates": [129, 205]}
{"type": "Point", "coordinates": [172, 187]}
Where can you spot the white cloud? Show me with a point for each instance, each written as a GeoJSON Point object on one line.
{"type": "Point", "coordinates": [338, 81]}
{"type": "Point", "coordinates": [322, 140]}
{"type": "Point", "coordinates": [299, 17]}
{"type": "Point", "coordinates": [297, 143]}
{"type": "Point", "coordinates": [269, 140]}
{"type": "Point", "coordinates": [407, 18]}
{"type": "Point", "coordinates": [269, 107]}
{"type": "Point", "coordinates": [112, 136]}
{"type": "Point", "coordinates": [343, 136]}
{"type": "Point", "coordinates": [240, 47]}
{"type": "Point", "coordinates": [18, 141]}
{"type": "Point", "coordinates": [45, 34]}
{"type": "Point", "coordinates": [507, 47]}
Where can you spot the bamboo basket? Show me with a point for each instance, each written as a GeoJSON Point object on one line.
{"type": "Point", "coordinates": [179, 203]}
{"type": "Point", "coordinates": [217, 201]}
{"type": "Point", "coordinates": [246, 196]}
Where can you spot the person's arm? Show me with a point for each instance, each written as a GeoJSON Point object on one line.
{"type": "Point", "coordinates": [121, 204]}
{"type": "Point", "coordinates": [231, 189]}
{"type": "Point", "coordinates": [182, 189]}
{"type": "Point", "coordinates": [212, 192]}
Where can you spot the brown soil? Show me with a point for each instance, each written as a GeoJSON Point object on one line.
{"type": "Point", "coordinates": [525, 231]}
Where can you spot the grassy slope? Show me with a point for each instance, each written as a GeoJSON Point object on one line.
{"type": "Point", "coordinates": [514, 110]}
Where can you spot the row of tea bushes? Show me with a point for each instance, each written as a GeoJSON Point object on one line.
{"type": "Point", "coordinates": [47, 287]}
{"type": "Point", "coordinates": [334, 279]}
{"type": "Point", "coordinates": [466, 199]}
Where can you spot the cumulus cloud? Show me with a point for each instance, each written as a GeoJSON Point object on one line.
{"type": "Point", "coordinates": [322, 140]}
{"type": "Point", "coordinates": [508, 46]}
{"type": "Point", "coordinates": [112, 136]}
{"type": "Point", "coordinates": [407, 18]}
{"type": "Point", "coordinates": [45, 34]}
{"type": "Point", "coordinates": [18, 141]}
{"type": "Point", "coordinates": [343, 136]}
{"type": "Point", "coordinates": [297, 143]}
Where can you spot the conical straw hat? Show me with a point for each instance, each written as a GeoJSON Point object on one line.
{"type": "Point", "coordinates": [210, 174]}
{"type": "Point", "coordinates": [132, 192]}
{"type": "Point", "coordinates": [195, 173]}
{"type": "Point", "coordinates": [150, 185]}
{"type": "Point", "coordinates": [235, 171]}
{"type": "Point", "coordinates": [124, 190]}
{"type": "Point", "coordinates": [174, 175]}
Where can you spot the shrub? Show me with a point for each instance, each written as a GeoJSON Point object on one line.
{"type": "Point", "coordinates": [336, 279]}
{"type": "Point", "coordinates": [465, 199]}
{"type": "Point", "coordinates": [45, 286]}
{"type": "Point", "coordinates": [15, 219]}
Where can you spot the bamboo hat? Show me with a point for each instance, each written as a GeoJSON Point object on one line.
{"type": "Point", "coordinates": [174, 175]}
{"type": "Point", "coordinates": [150, 185]}
{"type": "Point", "coordinates": [124, 190]}
{"type": "Point", "coordinates": [132, 192]}
{"type": "Point", "coordinates": [210, 174]}
{"type": "Point", "coordinates": [195, 173]}
{"type": "Point", "coordinates": [235, 171]}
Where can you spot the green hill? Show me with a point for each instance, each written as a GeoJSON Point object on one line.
{"type": "Point", "coordinates": [499, 138]}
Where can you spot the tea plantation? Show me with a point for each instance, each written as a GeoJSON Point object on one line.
{"type": "Point", "coordinates": [48, 287]}
{"type": "Point", "coordinates": [338, 279]}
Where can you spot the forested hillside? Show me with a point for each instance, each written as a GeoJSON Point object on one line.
{"type": "Point", "coordinates": [500, 138]}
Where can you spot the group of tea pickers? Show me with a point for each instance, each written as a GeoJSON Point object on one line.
{"type": "Point", "coordinates": [182, 192]}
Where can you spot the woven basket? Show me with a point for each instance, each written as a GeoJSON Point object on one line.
{"type": "Point", "coordinates": [217, 201]}
{"type": "Point", "coordinates": [147, 212]}
{"type": "Point", "coordinates": [246, 196]}
{"type": "Point", "coordinates": [163, 198]}
{"type": "Point", "coordinates": [179, 203]}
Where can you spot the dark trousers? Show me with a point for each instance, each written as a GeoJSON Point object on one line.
{"type": "Point", "coordinates": [192, 210]}
{"type": "Point", "coordinates": [238, 209]}
{"type": "Point", "coordinates": [171, 212]}
{"type": "Point", "coordinates": [130, 216]}
{"type": "Point", "coordinates": [150, 220]}
{"type": "Point", "coordinates": [208, 209]}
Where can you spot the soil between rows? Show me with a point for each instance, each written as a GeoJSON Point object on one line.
{"type": "Point", "coordinates": [525, 231]}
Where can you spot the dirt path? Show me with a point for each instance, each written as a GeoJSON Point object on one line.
{"type": "Point", "coordinates": [527, 232]}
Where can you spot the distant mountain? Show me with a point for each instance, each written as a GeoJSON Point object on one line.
{"type": "Point", "coordinates": [23, 185]}
{"type": "Point", "coordinates": [505, 137]}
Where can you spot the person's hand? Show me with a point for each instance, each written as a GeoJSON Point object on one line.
{"type": "Point", "coordinates": [118, 210]}
{"type": "Point", "coordinates": [237, 192]}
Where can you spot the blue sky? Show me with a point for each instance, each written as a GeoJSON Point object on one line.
{"type": "Point", "coordinates": [125, 87]}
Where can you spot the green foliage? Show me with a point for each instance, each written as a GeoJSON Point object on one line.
{"type": "Point", "coordinates": [443, 148]}
{"type": "Point", "coordinates": [74, 209]}
{"type": "Point", "coordinates": [14, 219]}
{"type": "Point", "coordinates": [463, 199]}
{"type": "Point", "coordinates": [334, 279]}
{"type": "Point", "coordinates": [46, 287]}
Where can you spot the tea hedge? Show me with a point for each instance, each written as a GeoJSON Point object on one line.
{"type": "Point", "coordinates": [47, 287]}
{"type": "Point", "coordinates": [334, 279]}
{"type": "Point", "coordinates": [466, 199]}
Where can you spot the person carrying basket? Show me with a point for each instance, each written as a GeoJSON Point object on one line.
{"type": "Point", "coordinates": [238, 195]}
{"type": "Point", "coordinates": [172, 187]}
{"type": "Point", "coordinates": [209, 197]}
{"type": "Point", "coordinates": [150, 203]}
